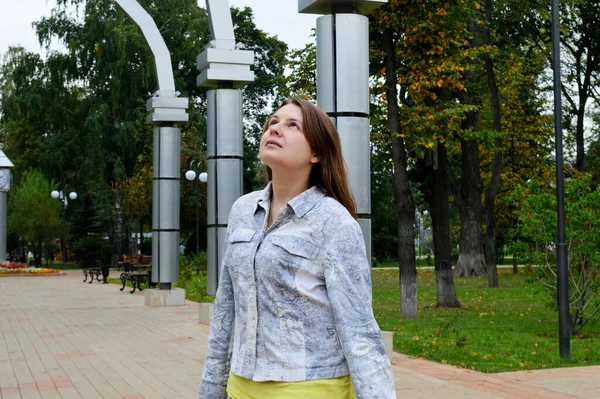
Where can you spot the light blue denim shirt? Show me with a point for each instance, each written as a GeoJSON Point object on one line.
{"type": "Point", "coordinates": [294, 301]}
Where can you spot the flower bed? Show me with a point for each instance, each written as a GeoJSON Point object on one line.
{"type": "Point", "coordinates": [27, 270]}
{"type": "Point", "coordinates": [15, 265]}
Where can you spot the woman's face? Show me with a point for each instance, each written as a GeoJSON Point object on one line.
{"type": "Point", "coordinates": [283, 145]}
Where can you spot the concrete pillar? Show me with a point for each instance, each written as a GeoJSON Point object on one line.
{"type": "Point", "coordinates": [165, 108]}
{"type": "Point", "coordinates": [343, 89]}
{"type": "Point", "coordinates": [3, 225]}
{"type": "Point", "coordinates": [226, 69]}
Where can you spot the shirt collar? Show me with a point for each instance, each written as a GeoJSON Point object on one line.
{"type": "Point", "coordinates": [300, 204]}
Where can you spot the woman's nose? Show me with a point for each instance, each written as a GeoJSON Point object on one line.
{"type": "Point", "coordinates": [274, 129]}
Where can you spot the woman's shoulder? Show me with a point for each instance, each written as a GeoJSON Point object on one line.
{"type": "Point", "coordinates": [247, 201]}
{"type": "Point", "coordinates": [335, 211]}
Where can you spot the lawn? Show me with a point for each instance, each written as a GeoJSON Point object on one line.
{"type": "Point", "coordinates": [195, 288]}
{"type": "Point", "coordinates": [496, 330]}
{"type": "Point", "coordinates": [429, 262]}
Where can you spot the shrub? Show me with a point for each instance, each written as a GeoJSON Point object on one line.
{"type": "Point", "coordinates": [538, 229]}
{"type": "Point", "coordinates": [189, 266]}
{"type": "Point", "coordinates": [91, 251]}
{"type": "Point", "coordinates": [146, 246]}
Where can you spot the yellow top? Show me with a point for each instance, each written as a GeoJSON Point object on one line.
{"type": "Point", "coordinates": [338, 388]}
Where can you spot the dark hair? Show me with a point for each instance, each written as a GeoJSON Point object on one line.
{"type": "Point", "coordinates": [329, 173]}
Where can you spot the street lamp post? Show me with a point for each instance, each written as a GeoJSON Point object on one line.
{"type": "Point", "coordinates": [62, 194]}
{"type": "Point", "coordinates": [564, 328]}
{"type": "Point", "coordinates": [202, 177]}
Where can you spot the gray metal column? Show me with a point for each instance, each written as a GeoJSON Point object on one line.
{"type": "Point", "coordinates": [5, 182]}
{"type": "Point", "coordinates": [223, 67]}
{"type": "Point", "coordinates": [3, 224]}
{"type": "Point", "coordinates": [343, 89]}
{"type": "Point", "coordinates": [165, 108]}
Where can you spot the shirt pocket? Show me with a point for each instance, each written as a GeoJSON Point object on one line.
{"type": "Point", "coordinates": [239, 252]}
{"type": "Point", "coordinates": [299, 252]}
{"type": "Point", "coordinates": [241, 234]}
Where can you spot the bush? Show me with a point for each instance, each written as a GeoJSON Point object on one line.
{"type": "Point", "coordinates": [189, 266]}
{"type": "Point", "coordinates": [91, 251]}
{"type": "Point", "coordinates": [146, 246]}
{"type": "Point", "coordinates": [538, 228]}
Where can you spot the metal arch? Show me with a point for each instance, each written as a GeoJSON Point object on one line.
{"type": "Point", "coordinates": [162, 57]}
{"type": "Point", "coordinates": [221, 25]}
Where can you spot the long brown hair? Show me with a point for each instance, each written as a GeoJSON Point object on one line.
{"type": "Point", "coordinates": [329, 173]}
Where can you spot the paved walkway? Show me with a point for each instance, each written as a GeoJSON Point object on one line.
{"type": "Point", "coordinates": [61, 338]}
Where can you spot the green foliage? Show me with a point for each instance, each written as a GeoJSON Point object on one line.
{"type": "Point", "coordinates": [91, 251]}
{"type": "Point", "coordinates": [190, 266]}
{"type": "Point", "coordinates": [194, 283]}
{"type": "Point", "coordinates": [32, 213]}
{"type": "Point", "coordinates": [495, 330]}
{"type": "Point", "coordinates": [145, 247]}
{"type": "Point", "coordinates": [302, 80]}
{"type": "Point", "coordinates": [538, 229]}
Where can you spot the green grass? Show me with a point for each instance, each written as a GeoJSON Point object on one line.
{"type": "Point", "coordinates": [57, 264]}
{"type": "Point", "coordinates": [424, 262]}
{"type": "Point", "coordinates": [496, 330]}
{"type": "Point", "coordinates": [195, 289]}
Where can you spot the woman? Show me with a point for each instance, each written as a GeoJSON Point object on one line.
{"type": "Point", "coordinates": [293, 315]}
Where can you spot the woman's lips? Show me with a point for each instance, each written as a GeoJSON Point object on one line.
{"type": "Point", "coordinates": [272, 143]}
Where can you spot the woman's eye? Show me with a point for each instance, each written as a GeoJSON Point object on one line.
{"type": "Point", "coordinates": [294, 125]}
{"type": "Point", "coordinates": [272, 122]}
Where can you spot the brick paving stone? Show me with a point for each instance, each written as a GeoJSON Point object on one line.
{"type": "Point", "coordinates": [63, 339]}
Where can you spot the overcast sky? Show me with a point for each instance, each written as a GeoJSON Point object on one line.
{"type": "Point", "coordinates": [277, 17]}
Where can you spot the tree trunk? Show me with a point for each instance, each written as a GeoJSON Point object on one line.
{"type": "Point", "coordinates": [117, 246]}
{"type": "Point", "coordinates": [405, 207]}
{"type": "Point", "coordinates": [442, 248]}
{"type": "Point", "coordinates": [579, 137]}
{"type": "Point", "coordinates": [515, 265]}
{"type": "Point", "coordinates": [37, 256]}
{"type": "Point", "coordinates": [492, 190]}
{"type": "Point", "coordinates": [141, 236]}
{"type": "Point", "coordinates": [471, 261]}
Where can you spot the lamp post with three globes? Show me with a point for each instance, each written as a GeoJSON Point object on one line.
{"type": "Point", "coordinates": [62, 194]}
{"type": "Point", "coordinates": [202, 177]}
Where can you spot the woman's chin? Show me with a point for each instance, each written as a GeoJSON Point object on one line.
{"type": "Point", "coordinates": [271, 160]}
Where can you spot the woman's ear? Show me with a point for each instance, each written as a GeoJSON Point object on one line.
{"type": "Point", "coordinates": [314, 159]}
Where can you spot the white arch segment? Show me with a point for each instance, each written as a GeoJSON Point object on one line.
{"type": "Point", "coordinates": [162, 57]}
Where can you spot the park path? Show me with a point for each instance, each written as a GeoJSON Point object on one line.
{"type": "Point", "coordinates": [61, 338]}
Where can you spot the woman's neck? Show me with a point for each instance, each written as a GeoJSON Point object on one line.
{"type": "Point", "coordinates": [286, 186]}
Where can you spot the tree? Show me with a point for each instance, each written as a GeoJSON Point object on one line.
{"type": "Point", "coordinates": [581, 62]}
{"type": "Point", "coordinates": [89, 126]}
{"type": "Point", "coordinates": [430, 52]}
{"type": "Point", "coordinates": [514, 65]}
{"type": "Point", "coordinates": [537, 225]}
{"type": "Point", "coordinates": [405, 206]}
{"type": "Point", "coordinates": [33, 213]}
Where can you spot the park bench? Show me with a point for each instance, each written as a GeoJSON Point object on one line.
{"type": "Point", "coordinates": [137, 273]}
{"type": "Point", "coordinates": [128, 260]}
{"type": "Point", "coordinates": [92, 272]}
{"type": "Point", "coordinates": [96, 271]}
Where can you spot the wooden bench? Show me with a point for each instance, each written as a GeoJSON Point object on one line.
{"type": "Point", "coordinates": [92, 272]}
{"type": "Point", "coordinates": [128, 260]}
{"type": "Point", "coordinates": [96, 271]}
{"type": "Point", "coordinates": [138, 272]}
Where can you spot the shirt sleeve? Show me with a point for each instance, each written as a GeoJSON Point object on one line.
{"type": "Point", "coordinates": [348, 282]}
{"type": "Point", "coordinates": [217, 361]}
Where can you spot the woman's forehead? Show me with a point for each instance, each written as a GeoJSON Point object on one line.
{"type": "Point", "coordinates": [289, 111]}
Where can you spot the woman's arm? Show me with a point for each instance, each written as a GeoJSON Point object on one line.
{"type": "Point", "coordinates": [216, 363]}
{"type": "Point", "coordinates": [348, 281]}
